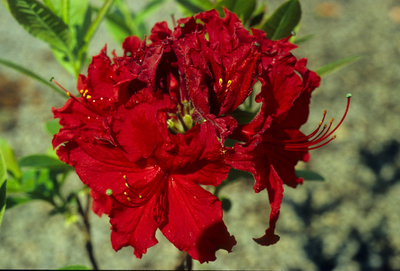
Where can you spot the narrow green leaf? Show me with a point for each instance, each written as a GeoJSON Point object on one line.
{"type": "Point", "coordinates": [308, 175]}
{"type": "Point", "coordinates": [75, 267]}
{"type": "Point", "coordinates": [52, 126]}
{"type": "Point", "coordinates": [32, 75]}
{"type": "Point", "coordinates": [42, 23]}
{"type": "Point", "coordinates": [43, 161]}
{"type": "Point", "coordinates": [283, 20]}
{"type": "Point", "coordinates": [96, 23]}
{"type": "Point", "coordinates": [65, 11]}
{"type": "Point", "coordinates": [9, 159]}
{"type": "Point", "coordinates": [3, 185]}
{"type": "Point", "coordinates": [3, 204]}
{"type": "Point", "coordinates": [5, 4]}
{"type": "Point", "coordinates": [334, 66]}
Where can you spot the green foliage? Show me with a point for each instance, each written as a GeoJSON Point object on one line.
{"type": "Point", "coordinates": [43, 161]}
{"type": "Point", "coordinates": [32, 75]}
{"type": "Point", "coordinates": [242, 8]}
{"type": "Point", "coordinates": [282, 22]}
{"type": "Point", "coordinates": [66, 25]}
{"type": "Point", "coordinates": [52, 127]}
{"type": "Point", "coordinates": [308, 175]}
{"type": "Point", "coordinates": [9, 158]}
{"type": "Point", "coordinates": [334, 66]}
{"type": "Point", "coordinates": [242, 116]}
{"type": "Point", "coordinates": [42, 23]}
{"type": "Point", "coordinates": [3, 185]}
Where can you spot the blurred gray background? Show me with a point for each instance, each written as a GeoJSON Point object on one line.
{"type": "Point", "coordinates": [349, 222]}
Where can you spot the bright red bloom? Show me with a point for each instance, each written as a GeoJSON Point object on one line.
{"type": "Point", "coordinates": [149, 129]}
{"type": "Point", "coordinates": [122, 146]}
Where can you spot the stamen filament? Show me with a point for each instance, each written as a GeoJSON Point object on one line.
{"type": "Point", "coordinates": [311, 141]}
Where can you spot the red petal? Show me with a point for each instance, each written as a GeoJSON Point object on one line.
{"type": "Point", "coordinates": [275, 193]}
{"type": "Point", "coordinates": [195, 221]}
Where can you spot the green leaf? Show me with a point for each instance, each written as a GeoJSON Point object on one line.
{"type": "Point", "coordinates": [52, 126]}
{"type": "Point", "coordinates": [9, 158]}
{"type": "Point", "coordinates": [258, 15]}
{"type": "Point", "coordinates": [243, 117]}
{"type": "Point", "coordinates": [283, 20]}
{"type": "Point", "coordinates": [96, 22]}
{"type": "Point", "coordinates": [5, 4]}
{"type": "Point", "coordinates": [75, 267]}
{"type": "Point", "coordinates": [3, 204]}
{"type": "Point", "coordinates": [308, 175]}
{"type": "Point", "coordinates": [43, 161]}
{"type": "Point", "coordinates": [32, 75]}
{"type": "Point", "coordinates": [3, 185]}
{"type": "Point", "coordinates": [65, 61]}
{"type": "Point", "coordinates": [42, 23]}
{"type": "Point", "coordinates": [334, 66]}
{"type": "Point", "coordinates": [243, 8]}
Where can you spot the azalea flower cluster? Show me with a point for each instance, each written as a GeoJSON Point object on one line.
{"type": "Point", "coordinates": [149, 130]}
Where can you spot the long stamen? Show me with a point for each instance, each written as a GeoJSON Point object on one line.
{"type": "Point", "coordinates": [66, 91]}
{"type": "Point", "coordinates": [311, 141]}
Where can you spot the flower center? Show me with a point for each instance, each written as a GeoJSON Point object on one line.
{"type": "Point", "coordinates": [181, 121]}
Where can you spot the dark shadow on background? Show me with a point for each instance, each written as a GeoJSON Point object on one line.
{"type": "Point", "coordinates": [374, 251]}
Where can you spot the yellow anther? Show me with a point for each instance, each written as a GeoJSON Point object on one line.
{"type": "Point", "coordinates": [140, 196]}
{"type": "Point", "coordinates": [331, 120]}
{"type": "Point", "coordinates": [69, 94]}
{"type": "Point", "coordinates": [229, 83]}
{"type": "Point", "coordinates": [223, 151]}
{"type": "Point", "coordinates": [128, 198]}
{"type": "Point", "coordinates": [127, 185]}
{"type": "Point", "coordinates": [84, 94]}
{"type": "Point", "coordinates": [124, 177]}
{"type": "Point", "coordinates": [221, 81]}
{"type": "Point", "coordinates": [126, 194]}
{"type": "Point", "coordinates": [81, 91]}
{"type": "Point", "coordinates": [88, 97]}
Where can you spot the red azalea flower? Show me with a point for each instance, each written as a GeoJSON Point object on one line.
{"type": "Point", "coordinates": [273, 143]}
{"type": "Point", "coordinates": [127, 148]}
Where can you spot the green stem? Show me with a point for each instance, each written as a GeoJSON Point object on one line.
{"type": "Point", "coordinates": [96, 23]}
{"type": "Point", "coordinates": [86, 231]}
